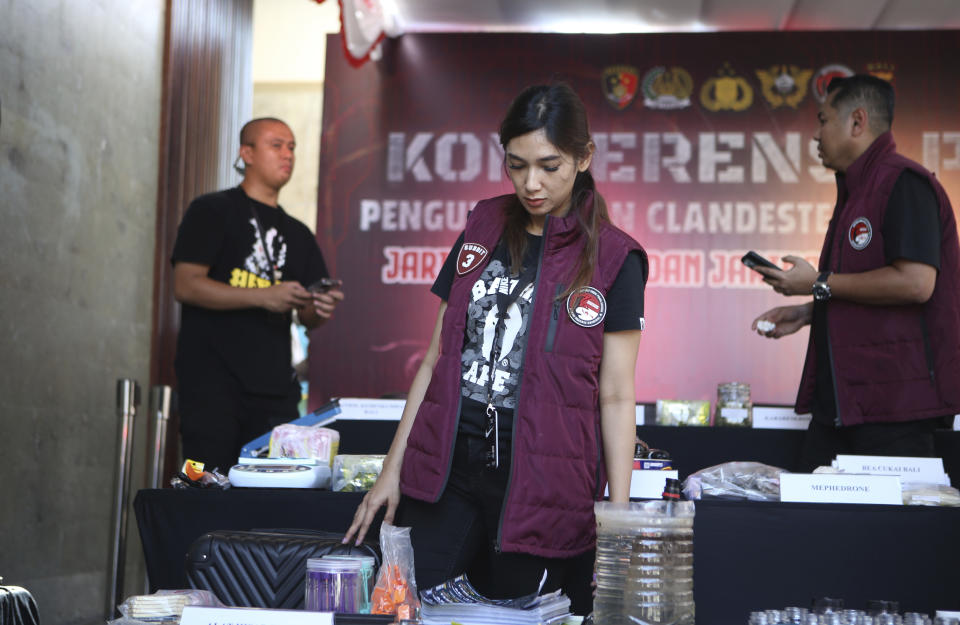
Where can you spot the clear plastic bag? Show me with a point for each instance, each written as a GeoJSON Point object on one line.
{"type": "Point", "coordinates": [922, 494]}
{"type": "Point", "coordinates": [193, 475]}
{"type": "Point", "coordinates": [735, 480]}
{"type": "Point", "coordinates": [396, 589]}
{"type": "Point", "coordinates": [356, 472]}
{"type": "Point", "coordinates": [303, 441]}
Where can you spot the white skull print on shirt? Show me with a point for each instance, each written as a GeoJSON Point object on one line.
{"type": "Point", "coordinates": [481, 339]}
{"type": "Point", "coordinates": [257, 262]}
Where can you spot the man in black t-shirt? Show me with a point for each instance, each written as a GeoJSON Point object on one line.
{"type": "Point", "coordinates": [241, 267]}
{"type": "Point", "coordinates": [875, 370]}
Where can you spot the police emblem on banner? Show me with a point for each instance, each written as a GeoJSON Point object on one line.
{"type": "Point", "coordinates": [861, 233]}
{"type": "Point", "coordinates": [587, 307]}
{"type": "Point", "coordinates": [784, 85]}
{"type": "Point", "coordinates": [726, 91]}
{"type": "Point", "coordinates": [470, 257]}
{"type": "Point", "coordinates": [667, 89]}
{"type": "Point", "coordinates": [881, 70]}
{"type": "Point", "coordinates": [620, 85]}
{"type": "Point", "coordinates": [821, 80]}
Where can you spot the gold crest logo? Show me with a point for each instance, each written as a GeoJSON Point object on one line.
{"type": "Point", "coordinates": [882, 70]}
{"type": "Point", "coordinates": [784, 85]}
{"type": "Point", "coordinates": [667, 89]}
{"type": "Point", "coordinates": [726, 91]}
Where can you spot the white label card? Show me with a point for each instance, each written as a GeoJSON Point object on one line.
{"type": "Point", "coordinates": [649, 484]}
{"type": "Point", "coordinates": [733, 415]}
{"type": "Point", "coordinates": [200, 615]}
{"type": "Point", "coordinates": [641, 414]}
{"type": "Point", "coordinates": [929, 470]}
{"type": "Point", "coordinates": [374, 409]}
{"type": "Point", "coordinates": [840, 488]}
{"type": "Point", "coordinates": [779, 418]}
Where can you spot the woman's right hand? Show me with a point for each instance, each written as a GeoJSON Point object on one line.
{"type": "Point", "coordinates": [385, 492]}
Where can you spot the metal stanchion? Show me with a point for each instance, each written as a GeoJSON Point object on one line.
{"type": "Point", "coordinates": [128, 398]}
{"type": "Point", "coordinates": [160, 399]}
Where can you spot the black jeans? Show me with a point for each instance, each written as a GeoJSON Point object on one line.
{"type": "Point", "coordinates": [217, 418]}
{"type": "Point", "coordinates": [458, 534]}
{"type": "Point", "coordinates": [823, 441]}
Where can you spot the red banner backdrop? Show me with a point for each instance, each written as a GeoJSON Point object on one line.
{"type": "Point", "coordinates": [704, 151]}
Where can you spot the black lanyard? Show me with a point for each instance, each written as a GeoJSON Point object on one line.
{"type": "Point", "coordinates": [505, 299]}
{"type": "Point", "coordinates": [272, 270]}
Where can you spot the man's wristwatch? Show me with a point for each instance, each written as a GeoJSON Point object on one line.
{"type": "Point", "coordinates": [821, 290]}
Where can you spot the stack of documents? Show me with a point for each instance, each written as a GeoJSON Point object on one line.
{"type": "Point", "coordinates": [457, 601]}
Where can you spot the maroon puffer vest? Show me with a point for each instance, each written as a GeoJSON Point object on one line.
{"type": "Point", "coordinates": [890, 363]}
{"type": "Point", "coordinates": [557, 469]}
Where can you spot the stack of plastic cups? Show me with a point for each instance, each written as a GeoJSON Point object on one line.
{"type": "Point", "coordinates": [644, 563]}
{"type": "Point", "coordinates": [367, 580]}
{"type": "Point", "coordinates": [333, 585]}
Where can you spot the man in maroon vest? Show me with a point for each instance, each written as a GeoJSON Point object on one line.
{"type": "Point", "coordinates": [883, 362]}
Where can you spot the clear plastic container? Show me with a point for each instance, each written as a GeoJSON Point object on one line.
{"type": "Point", "coordinates": [644, 563]}
{"type": "Point", "coordinates": [367, 578]}
{"type": "Point", "coordinates": [333, 585]}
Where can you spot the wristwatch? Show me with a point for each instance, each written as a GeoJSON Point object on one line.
{"type": "Point", "coordinates": [821, 290]}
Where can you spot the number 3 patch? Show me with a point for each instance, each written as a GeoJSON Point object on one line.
{"type": "Point", "coordinates": [471, 256]}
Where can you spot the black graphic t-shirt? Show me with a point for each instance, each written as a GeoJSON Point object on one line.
{"type": "Point", "coordinates": [483, 340]}
{"type": "Point", "coordinates": [253, 345]}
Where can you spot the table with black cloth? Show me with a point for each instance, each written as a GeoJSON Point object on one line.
{"type": "Point", "coordinates": [695, 448]}
{"type": "Point", "coordinates": [692, 448]}
{"type": "Point", "coordinates": [747, 555]}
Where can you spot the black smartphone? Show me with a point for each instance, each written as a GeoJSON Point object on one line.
{"type": "Point", "coordinates": [753, 260]}
{"type": "Point", "coordinates": [324, 284]}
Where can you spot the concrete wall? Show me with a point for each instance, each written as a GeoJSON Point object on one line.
{"type": "Point", "coordinates": [80, 107]}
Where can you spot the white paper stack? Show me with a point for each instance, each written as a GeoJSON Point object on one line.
{"type": "Point", "coordinates": [547, 609]}
{"type": "Point", "coordinates": [457, 601]}
{"type": "Point", "coordinates": [162, 607]}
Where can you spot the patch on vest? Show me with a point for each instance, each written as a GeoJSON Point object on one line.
{"type": "Point", "coordinates": [470, 257]}
{"type": "Point", "coordinates": [860, 233]}
{"type": "Point", "coordinates": [586, 307]}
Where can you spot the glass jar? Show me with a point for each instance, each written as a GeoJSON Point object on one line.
{"type": "Point", "coordinates": [733, 405]}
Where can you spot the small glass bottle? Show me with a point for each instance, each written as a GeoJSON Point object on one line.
{"type": "Point", "coordinates": [733, 405]}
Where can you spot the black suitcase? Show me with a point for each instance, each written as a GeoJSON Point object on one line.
{"type": "Point", "coordinates": [262, 568]}
{"type": "Point", "coordinates": [17, 607]}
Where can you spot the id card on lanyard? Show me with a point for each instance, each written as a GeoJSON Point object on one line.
{"type": "Point", "coordinates": [504, 301]}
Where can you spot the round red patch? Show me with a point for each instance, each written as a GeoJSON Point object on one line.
{"type": "Point", "coordinates": [861, 233]}
{"type": "Point", "coordinates": [587, 307]}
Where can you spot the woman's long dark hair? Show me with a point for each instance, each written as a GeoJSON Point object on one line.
{"type": "Point", "coordinates": [559, 112]}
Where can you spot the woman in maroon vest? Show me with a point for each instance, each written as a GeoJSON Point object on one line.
{"type": "Point", "coordinates": [524, 405]}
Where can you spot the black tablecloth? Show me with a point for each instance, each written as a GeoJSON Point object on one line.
{"type": "Point", "coordinates": [692, 448]}
{"type": "Point", "coordinates": [170, 520]}
{"type": "Point", "coordinates": [747, 555]}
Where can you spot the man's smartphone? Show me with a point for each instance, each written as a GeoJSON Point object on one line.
{"type": "Point", "coordinates": [753, 260]}
{"type": "Point", "coordinates": [324, 284]}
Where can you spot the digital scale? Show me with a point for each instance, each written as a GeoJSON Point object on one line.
{"type": "Point", "coordinates": [268, 474]}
